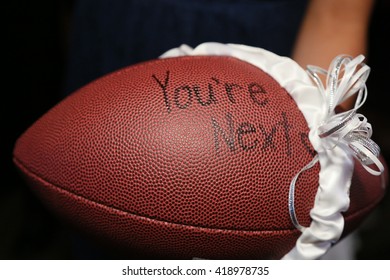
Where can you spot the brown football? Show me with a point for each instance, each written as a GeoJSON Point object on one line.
{"type": "Point", "coordinates": [183, 157]}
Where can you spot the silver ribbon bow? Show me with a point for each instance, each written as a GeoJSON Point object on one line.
{"type": "Point", "coordinates": [346, 77]}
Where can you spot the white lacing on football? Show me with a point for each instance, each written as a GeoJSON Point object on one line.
{"type": "Point", "coordinates": [337, 138]}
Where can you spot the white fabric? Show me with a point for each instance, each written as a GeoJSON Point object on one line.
{"type": "Point", "coordinates": [332, 196]}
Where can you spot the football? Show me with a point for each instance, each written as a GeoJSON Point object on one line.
{"type": "Point", "coordinates": [183, 157]}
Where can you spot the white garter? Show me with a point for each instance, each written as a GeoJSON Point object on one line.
{"type": "Point", "coordinates": [336, 138]}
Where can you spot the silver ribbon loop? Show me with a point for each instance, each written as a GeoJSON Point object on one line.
{"type": "Point", "coordinates": [349, 130]}
{"type": "Point", "coordinates": [347, 77]}
{"type": "Point", "coordinates": [353, 132]}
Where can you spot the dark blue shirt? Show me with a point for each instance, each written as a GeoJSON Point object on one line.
{"type": "Point", "coordinates": [107, 35]}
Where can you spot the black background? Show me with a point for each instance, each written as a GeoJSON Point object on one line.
{"type": "Point", "coordinates": [35, 48]}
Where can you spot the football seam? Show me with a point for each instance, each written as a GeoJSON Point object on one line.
{"type": "Point", "coordinates": [27, 171]}
{"type": "Point", "coordinates": [68, 193]}
{"type": "Point", "coordinates": [368, 207]}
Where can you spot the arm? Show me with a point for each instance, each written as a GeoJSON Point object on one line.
{"type": "Point", "coordinates": [331, 28]}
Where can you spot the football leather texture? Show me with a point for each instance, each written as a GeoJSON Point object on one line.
{"type": "Point", "coordinates": [182, 157]}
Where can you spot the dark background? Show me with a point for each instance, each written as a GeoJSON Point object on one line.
{"type": "Point", "coordinates": [35, 49]}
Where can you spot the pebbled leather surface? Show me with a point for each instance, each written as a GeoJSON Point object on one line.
{"type": "Point", "coordinates": [190, 156]}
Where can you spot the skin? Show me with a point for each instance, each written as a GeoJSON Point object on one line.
{"type": "Point", "coordinates": [331, 28]}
